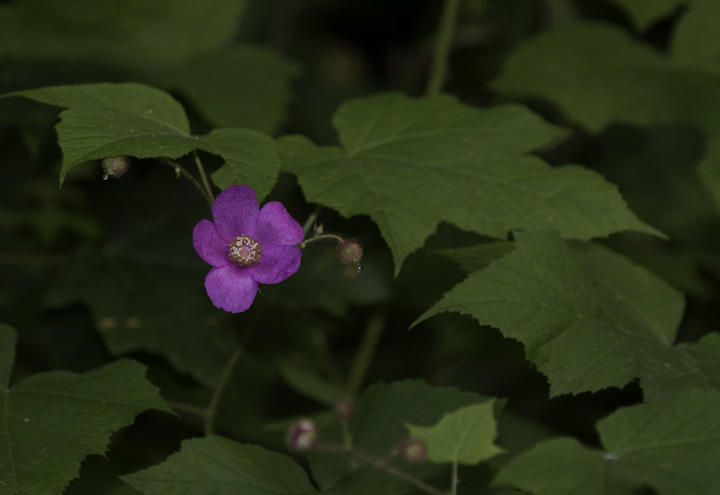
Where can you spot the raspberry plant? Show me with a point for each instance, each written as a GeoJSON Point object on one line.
{"type": "Point", "coordinates": [507, 214]}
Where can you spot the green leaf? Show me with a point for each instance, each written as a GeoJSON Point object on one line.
{"type": "Point", "coordinates": [51, 421]}
{"type": "Point", "coordinates": [697, 366]}
{"type": "Point", "coordinates": [695, 44]}
{"type": "Point", "coordinates": [646, 12]}
{"type": "Point", "coordinates": [406, 162]}
{"type": "Point", "coordinates": [243, 86]}
{"type": "Point", "coordinates": [378, 425]}
{"type": "Point", "coordinates": [671, 445]}
{"type": "Point", "coordinates": [558, 467]}
{"type": "Point", "coordinates": [588, 318]}
{"type": "Point", "coordinates": [596, 73]}
{"type": "Point", "coordinates": [465, 436]}
{"type": "Point", "coordinates": [219, 466]}
{"type": "Point", "coordinates": [474, 258]}
{"type": "Point", "coordinates": [105, 120]}
{"type": "Point", "coordinates": [149, 306]}
{"type": "Point", "coordinates": [130, 31]}
{"type": "Point", "coordinates": [250, 158]}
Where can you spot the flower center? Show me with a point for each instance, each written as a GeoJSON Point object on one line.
{"type": "Point", "coordinates": [244, 251]}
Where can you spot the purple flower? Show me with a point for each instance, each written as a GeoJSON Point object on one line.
{"type": "Point", "coordinates": [246, 246]}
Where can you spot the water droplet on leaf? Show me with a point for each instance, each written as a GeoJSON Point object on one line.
{"type": "Point", "coordinates": [359, 268]}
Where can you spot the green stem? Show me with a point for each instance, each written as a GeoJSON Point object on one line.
{"type": "Point", "coordinates": [311, 219]}
{"type": "Point", "coordinates": [439, 69]}
{"type": "Point", "coordinates": [181, 171]}
{"type": "Point", "coordinates": [320, 237]}
{"type": "Point", "coordinates": [181, 406]}
{"type": "Point", "coordinates": [382, 465]}
{"type": "Point", "coordinates": [365, 353]}
{"type": "Point", "coordinates": [203, 177]}
{"type": "Point", "coordinates": [211, 408]}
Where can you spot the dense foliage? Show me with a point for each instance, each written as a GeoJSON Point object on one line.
{"type": "Point", "coordinates": [510, 270]}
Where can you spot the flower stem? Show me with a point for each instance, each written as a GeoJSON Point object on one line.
{"type": "Point", "coordinates": [454, 479]}
{"type": "Point", "coordinates": [382, 465]}
{"type": "Point", "coordinates": [181, 171]}
{"type": "Point", "coordinates": [211, 409]}
{"type": "Point", "coordinates": [439, 69]}
{"type": "Point", "coordinates": [311, 219]}
{"type": "Point", "coordinates": [203, 177]}
{"type": "Point", "coordinates": [365, 353]}
{"type": "Point", "coordinates": [320, 237]}
{"type": "Point", "coordinates": [181, 406]}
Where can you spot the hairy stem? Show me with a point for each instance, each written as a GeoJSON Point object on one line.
{"type": "Point", "coordinates": [181, 406]}
{"type": "Point", "coordinates": [320, 237]}
{"type": "Point", "coordinates": [203, 177]}
{"type": "Point", "coordinates": [439, 68]}
{"type": "Point", "coordinates": [311, 219]}
{"type": "Point", "coordinates": [382, 465]}
{"type": "Point", "coordinates": [365, 353]}
{"type": "Point", "coordinates": [182, 172]}
{"type": "Point", "coordinates": [211, 408]}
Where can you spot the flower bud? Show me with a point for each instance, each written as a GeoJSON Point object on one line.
{"type": "Point", "coordinates": [302, 436]}
{"type": "Point", "coordinates": [344, 409]}
{"type": "Point", "coordinates": [115, 166]}
{"type": "Point", "coordinates": [412, 450]}
{"type": "Point", "coordinates": [319, 229]}
{"type": "Point", "coordinates": [349, 251]}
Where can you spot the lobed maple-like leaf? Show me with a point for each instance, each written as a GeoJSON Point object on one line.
{"type": "Point", "coordinates": [599, 75]}
{"type": "Point", "coordinates": [379, 423]}
{"type": "Point", "coordinates": [219, 466]}
{"type": "Point", "coordinates": [588, 318]}
{"type": "Point", "coordinates": [50, 422]}
{"type": "Point", "coordinates": [673, 446]}
{"type": "Point", "coordinates": [104, 120]}
{"type": "Point", "coordinates": [413, 163]}
{"type": "Point", "coordinates": [465, 436]}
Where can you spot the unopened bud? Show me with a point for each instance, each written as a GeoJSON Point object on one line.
{"type": "Point", "coordinates": [344, 409]}
{"type": "Point", "coordinates": [319, 229]}
{"type": "Point", "coordinates": [412, 450]}
{"type": "Point", "coordinates": [115, 166]}
{"type": "Point", "coordinates": [302, 436]}
{"type": "Point", "coordinates": [349, 251]}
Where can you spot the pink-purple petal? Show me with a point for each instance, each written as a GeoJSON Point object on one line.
{"type": "Point", "coordinates": [276, 227]}
{"type": "Point", "coordinates": [276, 264]}
{"type": "Point", "coordinates": [235, 212]}
{"type": "Point", "coordinates": [231, 288]}
{"type": "Point", "coordinates": [208, 244]}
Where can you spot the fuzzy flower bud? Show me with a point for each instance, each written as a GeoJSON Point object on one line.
{"type": "Point", "coordinates": [349, 251]}
{"type": "Point", "coordinates": [115, 166]}
{"type": "Point", "coordinates": [344, 409]}
{"type": "Point", "coordinates": [412, 450]}
{"type": "Point", "coordinates": [302, 436]}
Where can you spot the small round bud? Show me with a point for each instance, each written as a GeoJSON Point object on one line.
{"type": "Point", "coordinates": [412, 450]}
{"type": "Point", "coordinates": [115, 166]}
{"type": "Point", "coordinates": [349, 251]}
{"type": "Point", "coordinates": [344, 409]}
{"type": "Point", "coordinates": [319, 229]}
{"type": "Point", "coordinates": [302, 436]}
